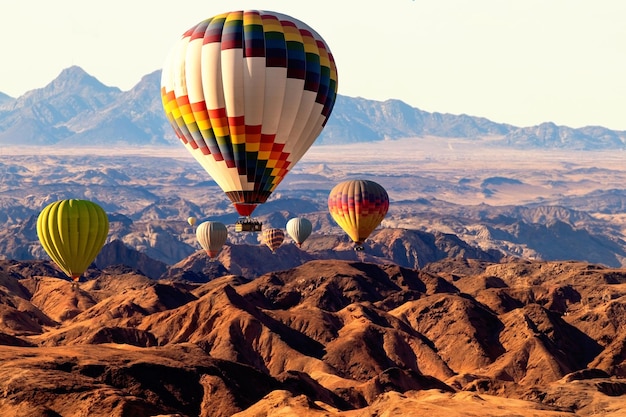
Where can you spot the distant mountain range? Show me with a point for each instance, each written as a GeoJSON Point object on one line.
{"type": "Point", "coordinates": [76, 109]}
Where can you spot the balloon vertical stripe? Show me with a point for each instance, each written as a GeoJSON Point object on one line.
{"type": "Point", "coordinates": [72, 233]}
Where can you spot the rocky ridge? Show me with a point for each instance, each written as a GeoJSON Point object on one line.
{"type": "Point", "coordinates": [329, 337]}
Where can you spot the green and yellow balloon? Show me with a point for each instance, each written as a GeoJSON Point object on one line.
{"type": "Point", "coordinates": [72, 232]}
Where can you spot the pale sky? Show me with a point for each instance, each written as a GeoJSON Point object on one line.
{"type": "Point", "coordinates": [521, 62]}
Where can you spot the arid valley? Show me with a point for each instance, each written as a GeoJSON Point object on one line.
{"type": "Point", "coordinates": [534, 204]}
{"type": "Point", "coordinates": [313, 209]}
{"type": "Point", "coordinates": [494, 287]}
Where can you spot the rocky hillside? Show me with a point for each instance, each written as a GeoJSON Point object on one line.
{"type": "Point", "coordinates": [327, 338]}
{"type": "Point", "coordinates": [407, 248]}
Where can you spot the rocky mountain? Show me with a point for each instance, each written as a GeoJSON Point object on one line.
{"type": "Point", "coordinates": [5, 98]}
{"type": "Point", "coordinates": [362, 120]}
{"type": "Point", "coordinates": [407, 248]}
{"type": "Point", "coordinates": [75, 109]}
{"type": "Point", "coordinates": [327, 338]}
{"type": "Point", "coordinates": [537, 230]}
{"type": "Point", "coordinates": [549, 135]}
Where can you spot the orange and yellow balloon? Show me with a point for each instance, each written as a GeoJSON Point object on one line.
{"type": "Point", "coordinates": [247, 93]}
{"type": "Point", "coordinates": [72, 232]}
{"type": "Point", "coordinates": [358, 207]}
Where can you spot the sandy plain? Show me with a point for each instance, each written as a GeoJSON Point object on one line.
{"type": "Point", "coordinates": [427, 161]}
{"type": "Point", "coordinates": [466, 172]}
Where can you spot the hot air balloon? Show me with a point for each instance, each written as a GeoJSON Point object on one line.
{"type": "Point", "coordinates": [299, 229]}
{"type": "Point", "coordinates": [192, 221]}
{"type": "Point", "coordinates": [247, 93]}
{"type": "Point", "coordinates": [358, 206]}
{"type": "Point", "coordinates": [273, 238]}
{"type": "Point", "coordinates": [72, 232]}
{"type": "Point", "coordinates": [212, 236]}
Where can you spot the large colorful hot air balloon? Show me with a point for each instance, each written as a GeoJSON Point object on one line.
{"type": "Point", "coordinates": [299, 229]}
{"type": "Point", "coordinates": [212, 236]}
{"type": "Point", "coordinates": [247, 93]}
{"type": "Point", "coordinates": [273, 238]}
{"type": "Point", "coordinates": [358, 206]}
{"type": "Point", "coordinates": [72, 232]}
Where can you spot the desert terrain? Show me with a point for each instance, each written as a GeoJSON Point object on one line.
{"type": "Point", "coordinates": [535, 204]}
{"type": "Point", "coordinates": [494, 287]}
{"type": "Point", "coordinates": [328, 338]}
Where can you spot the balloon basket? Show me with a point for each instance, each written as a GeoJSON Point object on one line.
{"type": "Point", "coordinates": [248, 225]}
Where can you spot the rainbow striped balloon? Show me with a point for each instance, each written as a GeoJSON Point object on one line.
{"type": "Point", "coordinates": [358, 207]}
{"type": "Point", "coordinates": [247, 93]}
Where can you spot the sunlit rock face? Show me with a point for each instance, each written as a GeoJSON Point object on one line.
{"type": "Point", "coordinates": [327, 337]}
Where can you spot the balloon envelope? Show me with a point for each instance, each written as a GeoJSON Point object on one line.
{"type": "Point", "coordinates": [192, 221]}
{"type": "Point", "coordinates": [358, 206]}
{"type": "Point", "coordinates": [273, 238]}
{"type": "Point", "coordinates": [212, 236]}
{"type": "Point", "coordinates": [247, 93]}
{"type": "Point", "coordinates": [299, 229]}
{"type": "Point", "coordinates": [72, 232]}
